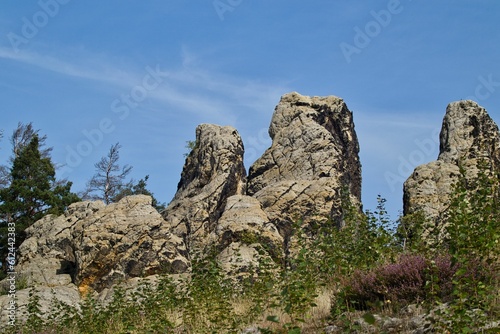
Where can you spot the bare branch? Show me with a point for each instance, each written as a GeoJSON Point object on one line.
{"type": "Point", "coordinates": [22, 136]}
{"type": "Point", "coordinates": [109, 177]}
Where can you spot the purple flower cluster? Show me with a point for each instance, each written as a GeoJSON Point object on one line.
{"type": "Point", "coordinates": [411, 279]}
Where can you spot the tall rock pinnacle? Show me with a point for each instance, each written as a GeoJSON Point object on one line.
{"type": "Point", "coordinates": [313, 156]}
{"type": "Point", "coordinates": [213, 172]}
{"type": "Point", "coordinates": [467, 135]}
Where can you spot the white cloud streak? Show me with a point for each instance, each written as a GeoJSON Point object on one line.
{"type": "Point", "coordinates": [188, 87]}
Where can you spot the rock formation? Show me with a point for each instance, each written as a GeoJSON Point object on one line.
{"type": "Point", "coordinates": [312, 163]}
{"type": "Point", "coordinates": [213, 172]}
{"type": "Point", "coordinates": [467, 135]}
{"type": "Point", "coordinates": [123, 240]}
{"type": "Point", "coordinates": [313, 156]}
{"type": "Point", "coordinates": [93, 246]}
{"type": "Point", "coordinates": [244, 234]}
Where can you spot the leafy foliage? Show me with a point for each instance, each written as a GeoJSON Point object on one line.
{"type": "Point", "coordinates": [401, 283]}
{"type": "Point", "coordinates": [472, 233]}
{"type": "Point", "coordinates": [190, 145]}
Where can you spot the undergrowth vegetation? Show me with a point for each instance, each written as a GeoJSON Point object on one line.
{"type": "Point", "coordinates": [367, 269]}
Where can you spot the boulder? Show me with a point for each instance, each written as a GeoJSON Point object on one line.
{"type": "Point", "coordinates": [93, 246]}
{"type": "Point", "coordinates": [46, 255]}
{"type": "Point", "coordinates": [46, 263]}
{"type": "Point", "coordinates": [48, 298]}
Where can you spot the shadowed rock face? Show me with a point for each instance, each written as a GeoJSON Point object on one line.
{"type": "Point", "coordinates": [468, 132]}
{"type": "Point", "coordinates": [213, 172]}
{"type": "Point", "coordinates": [314, 154]}
{"type": "Point", "coordinates": [244, 235]}
{"type": "Point", "coordinates": [467, 135]}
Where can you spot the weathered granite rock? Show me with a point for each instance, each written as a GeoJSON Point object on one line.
{"type": "Point", "coordinates": [46, 255]}
{"type": "Point", "coordinates": [244, 235]}
{"type": "Point", "coordinates": [93, 246]}
{"type": "Point", "coordinates": [429, 187]}
{"type": "Point", "coordinates": [46, 262]}
{"type": "Point", "coordinates": [468, 132]}
{"type": "Point", "coordinates": [67, 294]}
{"type": "Point", "coordinates": [213, 172]}
{"type": "Point", "coordinates": [124, 240]}
{"type": "Point", "coordinates": [313, 156]}
{"type": "Point", "coordinates": [467, 135]}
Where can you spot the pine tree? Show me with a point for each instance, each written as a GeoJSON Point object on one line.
{"type": "Point", "coordinates": [33, 192]}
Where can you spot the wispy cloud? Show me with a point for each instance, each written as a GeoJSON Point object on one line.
{"type": "Point", "coordinates": [94, 71]}
{"type": "Point", "coordinates": [188, 86]}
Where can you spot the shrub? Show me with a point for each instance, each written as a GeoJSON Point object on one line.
{"type": "Point", "coordinates": [411, 279]}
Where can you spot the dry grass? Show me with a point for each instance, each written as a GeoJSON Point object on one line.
{"type": "Point", "coordinates": [315, 318]}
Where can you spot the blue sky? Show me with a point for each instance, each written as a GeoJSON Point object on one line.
{"type": "Point", "coordinates": [145, 74]}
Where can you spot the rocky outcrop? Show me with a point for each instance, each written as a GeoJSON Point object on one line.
{"type": "Point", "coordinates": [47, 256]}
{"type": "Point", "coordinates": [213, 172]}
{"type": "Point", "coordinates": [468, 134]}
{"type": "Point", "coordinates": [47, 263]}
{"type": "Point", "coordinates": [313, 156]}
{"type": "Point", "coordinates": [244, 235]}
{"type": "Point", "coordinates": [91, 248]}
{"type": "Point", "coordinates": [124, 240]}
{"type": "Point", "coordinates": [93, 245]}
{"type": "Point", "coordinates": [47, 296]}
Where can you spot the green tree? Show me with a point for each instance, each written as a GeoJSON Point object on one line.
{"type": "Point", "coordinates": [473, 240]}
{"type": "Point", "coordinates": [190, 145]}
{"type": "Point", "coordinates": [32, 193]}
{"type": "Point", "coordinates": [4, 173]}
{"type": "Point", "coordinates": [20, 138]}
